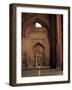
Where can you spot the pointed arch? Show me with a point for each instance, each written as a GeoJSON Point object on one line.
{"type": "Point", "coordinates": [38, 44]}
{"type": "Point", "coordinates": [33, 20]}
{"type": "Point", "coordinates": [38, 54]}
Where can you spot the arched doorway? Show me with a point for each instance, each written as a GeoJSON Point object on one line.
{"type": "Point", "coordinates": [38, 55]}
{"type": "Point", "coordinates": [36, 42]}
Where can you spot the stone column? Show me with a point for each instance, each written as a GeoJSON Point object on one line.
{"type": "Point", "coordinates": [53, 58]}
{"type": "Point", "coordinates": [59, 41]}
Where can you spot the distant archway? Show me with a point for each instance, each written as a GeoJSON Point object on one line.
{"type": "Point", "coordinates": [38, 55]}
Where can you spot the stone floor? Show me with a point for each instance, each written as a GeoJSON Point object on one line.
{"type": "Point", "coordinates": [41, 72]}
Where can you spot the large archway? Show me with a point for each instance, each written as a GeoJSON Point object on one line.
{"type": "Point", "coordinates": [36, 44]}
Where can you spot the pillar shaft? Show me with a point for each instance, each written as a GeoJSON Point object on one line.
{"type": "Point", "coordinates": [59, 41]}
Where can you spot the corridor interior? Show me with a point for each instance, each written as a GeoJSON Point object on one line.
{"type": "Point", "coordinates": [41, 44]}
